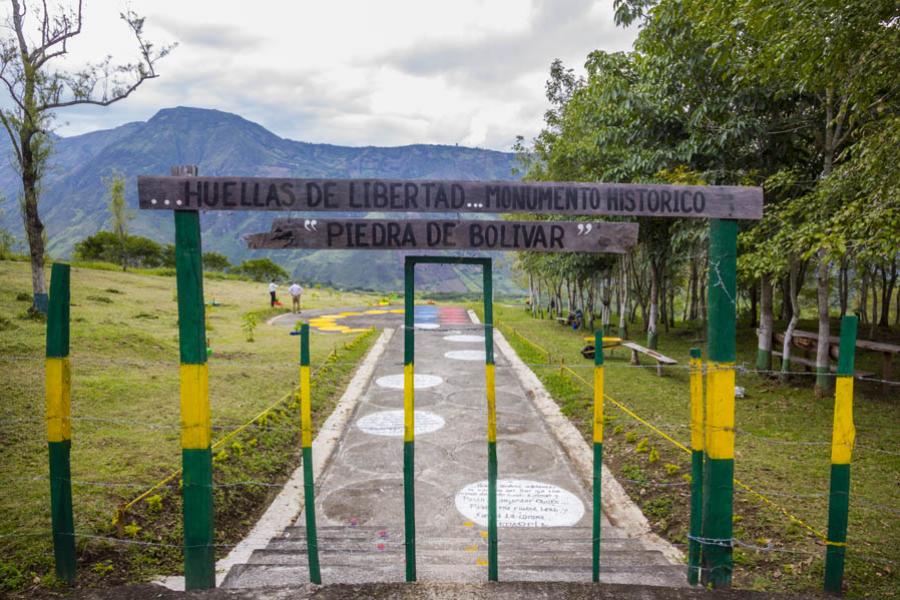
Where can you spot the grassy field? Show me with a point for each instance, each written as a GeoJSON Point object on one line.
{"type": "Point", "coordinates": [782, 451]}
{"type": "Point", "coordinates": [125, 410]}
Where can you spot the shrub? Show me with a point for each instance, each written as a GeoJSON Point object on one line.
{"type": "Point", "coordinates": [249, 323]}
{"type": "Point", "coordinates": [213, 261]}
{"type": "Point", "coordinates": [105, 246]}
{"type": "Point", "coordinates": [261, 269]}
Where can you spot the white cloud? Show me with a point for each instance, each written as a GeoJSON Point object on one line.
{"type": "Point", "coordinates": [353, 72]}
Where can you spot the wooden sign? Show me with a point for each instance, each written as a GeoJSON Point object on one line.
{"type": "Point", "coordinates": [427, 234]}
{"type": "Point", "coordinates": [391, 195]}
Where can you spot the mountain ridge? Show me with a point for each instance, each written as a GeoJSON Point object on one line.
{"type": "Point", "coordinates": [74, 198]}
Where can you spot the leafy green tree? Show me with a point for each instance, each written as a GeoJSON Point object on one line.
{"type": "Point", "coordinates": [214, 261]}
{"type": "Point", "coordinates": [262, 269]}
{"type": "Point", "coordinates": [120, 214]}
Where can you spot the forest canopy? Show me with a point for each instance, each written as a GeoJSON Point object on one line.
{"type": "Point", "coordinates": [797, 97]}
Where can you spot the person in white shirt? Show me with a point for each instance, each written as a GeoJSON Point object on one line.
{"type": "Point", "coordinates": [272, 299]}
{"type": "Point", "coordinates": [295, 290]}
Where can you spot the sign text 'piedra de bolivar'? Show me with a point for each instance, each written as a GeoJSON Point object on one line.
{"type": "Point", "coordinates": [439, 234]}
{"type": "Point", "coordinates": [390, 195]}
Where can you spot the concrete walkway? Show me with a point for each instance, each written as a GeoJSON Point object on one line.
{"type": "Point", "coordinates": [544, 507]}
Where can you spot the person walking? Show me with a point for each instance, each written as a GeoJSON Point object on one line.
{"type": "Point", "coordinates": [272, 298]}
{"type": "Point", "coordinates": [295, 290]}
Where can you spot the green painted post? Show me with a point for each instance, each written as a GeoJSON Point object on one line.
{"type": "Point", "coordinates": [196, 433]}
{"type": "Point", "coordinates": [309, 494]}
{"type": "Point", "coordinates": [409, 493]}
{"type": "Point", "coordinates": [718, 480]}
{"type": "Point", "coordinates": [598, 454]}
{"type": "Point", "coordinates": [487, 275]}
{"type": "Point", "coordinates": [696, 466]}
{"type": "Point", "coordinates": [842, 439]}
{"type": "Point", "coordinates": [59, 430]}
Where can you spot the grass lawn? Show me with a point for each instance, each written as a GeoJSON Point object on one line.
{"type": "Point", "coordinates": [782, 450]}
{"type": "Point", "coordinates": [125, 411]}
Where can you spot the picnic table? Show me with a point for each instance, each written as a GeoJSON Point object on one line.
{"type": "Point", "coordinates": [808, 341]}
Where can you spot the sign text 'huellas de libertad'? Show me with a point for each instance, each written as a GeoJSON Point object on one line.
{"type": "Point", "coordinates": [360, 195]}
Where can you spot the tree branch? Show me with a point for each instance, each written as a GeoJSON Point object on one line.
{"type": "Point", "coordinates": [12, 136]}
{"type": "Point", "coordinates": [121, 95]}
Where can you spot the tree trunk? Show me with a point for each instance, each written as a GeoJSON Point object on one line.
{"type": "Point", "coordinates": [766, 325]}
{"type": "Point", "coordinates": [754, 294]}
{"type": "Point", "coordinates": [671, 304]}
{"type": "Point", "coordinates": [623, 328]}
{"type": "Point", "coordinates": [794, 290]}
{"type": "Point", "coordinates": [863, 300]}
{"type": "Point", "coordinates": [701, 286]}
{"type": "Point", "coordinates": [823, 346]}
{"type": "Point", "coordinates": [652, 327]}
{"type": "Point", "coordinates": [873, 279]}
{"type": "Point", "coordinates": [663, 302]}
{"type": "Point", "coordinates": [34, 228]}
{"type": "Point", "coordinates": [786, 313]}
{"type": "Point", "coordinates": [844, 285]}
{"type": "Point", "coordinates": [887, 290]}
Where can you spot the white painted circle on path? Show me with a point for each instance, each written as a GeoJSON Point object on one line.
{"type": "Point", "coordinates": [427, 326]}
{"type": "Point", "coordinates": [521, 503]}
{"type": "Point", "coordinates": [465, 355]}
{"type": "Point", "coordinates": [464, 338]}
{"type": "Point", "coordinates": [420, 381]}
{"type": "Point", "coordinates": [390, 423]}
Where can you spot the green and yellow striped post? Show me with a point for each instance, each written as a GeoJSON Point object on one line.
{"type": "Point", "coordinates": [59, 428]}
{"type": "Point", "coordinates": [196, 433]}
{"type": "Point", "coordinates": [598, 453]}
{"type": "Point", "coordinates": [309, 494]}
{"type": "Point", "coordinates": [487, 276]}
{"type": "Point", "coordinates": [842, 438]}
{"type": "Point", "coordinates": [409, 492]}
{"type": "Point", "coordinates": [696, 371]}
{"type": "Point", "coordinates": [718, 482]}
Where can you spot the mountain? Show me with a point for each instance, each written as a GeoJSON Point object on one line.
{"type": "Point", "coordinates": [73, 203]}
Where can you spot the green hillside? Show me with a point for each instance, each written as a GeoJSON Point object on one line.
{"type": "Point", "coordinates": [74, 199]}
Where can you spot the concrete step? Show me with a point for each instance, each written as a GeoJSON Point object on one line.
{"type": "Point", "coordinates": [519, 558]}
{"type": "Point", "coordinates": [396, 543]}
{"type": "Point", "coordinates": [518, 534]}
{"type": "Point", "coordinates": [271, 576]}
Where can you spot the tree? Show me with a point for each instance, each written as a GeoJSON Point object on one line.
{"type": "Point", "coordinates": [262, 269]}
{"type": "Point", "coordinates": [215, 262]}
{"type": "Point", "coordinates": [37, 89]}
{"type": "Point", "coordinates": [120, 214]}
{"type": "Point", "coordinates": [106, 246]}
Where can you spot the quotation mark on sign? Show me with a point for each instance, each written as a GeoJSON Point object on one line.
{"type": "Point", "coordinates": [584, 229]}
{"type": "Point", "coordinates": [310, 224]}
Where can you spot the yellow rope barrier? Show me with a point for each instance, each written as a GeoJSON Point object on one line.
{"type": "Point", "coordinates": [678, 444]}
{"type": "Point", "coordinates": [120, 512]}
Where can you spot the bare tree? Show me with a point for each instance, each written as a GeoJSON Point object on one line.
{"type": "Point", "coordinates": [38, 34]}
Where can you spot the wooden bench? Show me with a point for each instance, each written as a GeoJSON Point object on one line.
{"type": "Point", "coordinates": [806, 342]}
{"type": "Point", "coordinates": [661, 360]}
{"type": "Point", "coordinates": [810, 364]}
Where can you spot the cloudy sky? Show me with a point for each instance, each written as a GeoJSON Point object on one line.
{"type": "Point", "coordinates": [360, 72]}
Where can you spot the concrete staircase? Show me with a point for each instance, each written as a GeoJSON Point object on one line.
{"type": "Point", "coordinates": [372, 554]}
